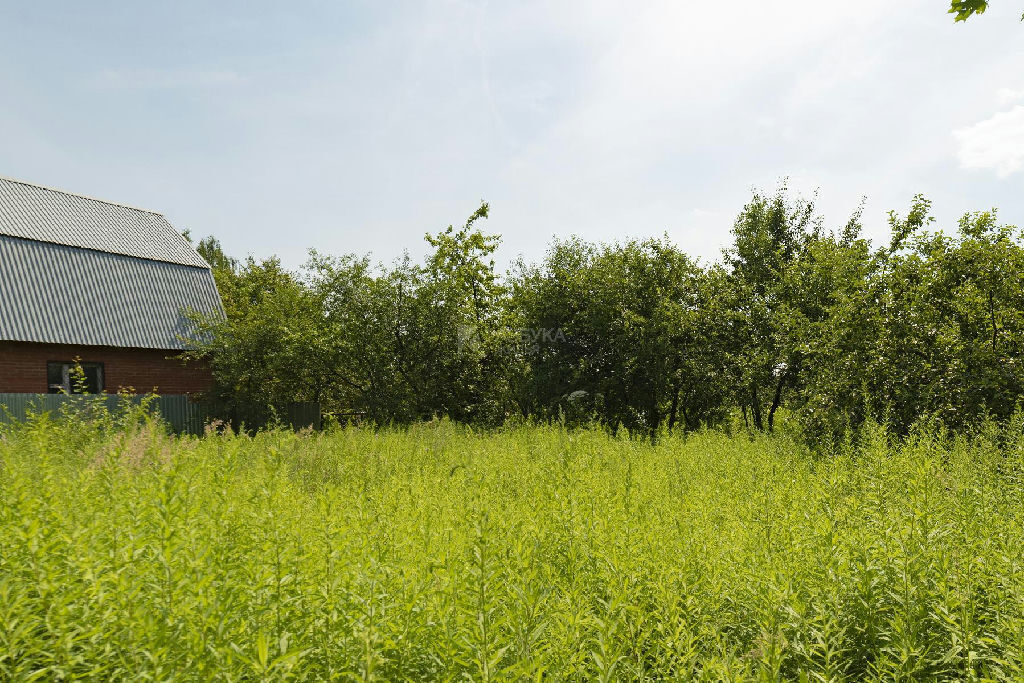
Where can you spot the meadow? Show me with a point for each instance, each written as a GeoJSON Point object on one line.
{"type": "Point", "coordinates": [440, 553]}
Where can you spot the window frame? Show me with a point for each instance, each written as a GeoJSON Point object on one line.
{"type": "Point", "coordinates": [65, 372]}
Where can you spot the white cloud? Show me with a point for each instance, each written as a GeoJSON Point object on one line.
{"type": "Point", "coordinates": [996, 143]}
{"type": "Point", "coordinates": [600, 117]}
{"type": "Point", "coordinates": [134, 79]}
{"type": "Point", "coordinates": [1009, 95]}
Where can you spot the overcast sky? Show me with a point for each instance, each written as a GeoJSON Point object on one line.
{"type": "Point", "coordinates": [359, 126]}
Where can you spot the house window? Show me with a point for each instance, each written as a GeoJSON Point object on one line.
{"type": "Point", "coordinates": [60, 377]}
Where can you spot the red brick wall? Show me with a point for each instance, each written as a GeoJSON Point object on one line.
{"type": "Point", "coordinates": [23, 368]}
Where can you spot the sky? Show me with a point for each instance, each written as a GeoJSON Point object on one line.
{"type": "Point", "coordinates": [357, 127]}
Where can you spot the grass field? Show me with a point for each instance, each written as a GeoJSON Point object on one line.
{"type": "Point", "coordinates": [440, 554]}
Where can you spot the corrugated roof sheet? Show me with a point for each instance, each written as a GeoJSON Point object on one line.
{"type": "Point", "coordinates": [59, 294]}
{"type": "Point", "coordinates": [39, 213]}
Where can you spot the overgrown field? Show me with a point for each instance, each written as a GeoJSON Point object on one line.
{"type": "Point", "coordinates": [438, 554]}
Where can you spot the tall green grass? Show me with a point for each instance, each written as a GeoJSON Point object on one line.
{"type": "Point", "coordinates": [436, 553]}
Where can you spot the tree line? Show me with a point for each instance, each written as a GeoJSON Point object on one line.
{"type": "Point", "coordinates": [796, 319]}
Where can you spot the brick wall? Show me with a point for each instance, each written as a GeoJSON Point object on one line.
{"type": "Point", "coordinates": [23, 368]}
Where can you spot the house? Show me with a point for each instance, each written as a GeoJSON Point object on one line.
{"type": "Point", "coordinates": [99, 283]}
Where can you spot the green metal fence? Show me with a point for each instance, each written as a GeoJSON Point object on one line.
{"type": "Point", "coordinates": [184, 415]}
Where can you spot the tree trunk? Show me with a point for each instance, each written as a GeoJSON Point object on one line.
{"type": "Point", "coordinates": [755, 409]}
{"type": "Point", "coordinates": [673, 409]}
{"type": "Point", "coordinates": [777, 399]}
{"type": "Point", "coordinates": [656, 418]}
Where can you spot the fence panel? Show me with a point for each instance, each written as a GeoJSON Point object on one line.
{"type": "Point", "coordinates": [184, 415]}
{"type": "Point", "coordinates": [178, 411]}
{"type": "Point", "coordinates": [303, 415]}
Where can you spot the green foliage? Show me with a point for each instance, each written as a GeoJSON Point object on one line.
{"type": "Point", "coordinates": [213, 253]}
{"type": "Point", "coordinates": [767, 301]}
{"type": "Point", "coordinates": [439, 553]}
{"type": "Point", "coordinates": [260, 353]}
{"type": "Point", "coordinates": [965, 9]}
{"type": "Point", "coordinates": [799, 321]}
{"type": "Point", "coordinates": [79, 383]}
{"type": "Point", "coordinates": [393, 344]}
{"type": "Point", "coordinates": [930, 326]}
{"type": "Point", "coordinates": [622, 333]}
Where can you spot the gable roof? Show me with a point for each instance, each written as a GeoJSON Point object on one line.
{"type": "Point", "coordinates": [81, 271]}
{"type": "Point", "coordinates": [51, 293]}
{"type": "Point", "coordinates": [43, 214]}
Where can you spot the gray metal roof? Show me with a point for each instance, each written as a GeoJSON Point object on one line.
{"type": "Point", "coordinates": [60, 294]}
{"type": "Point", "coordinates": [39, 213]}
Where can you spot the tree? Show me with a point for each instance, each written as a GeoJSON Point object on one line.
{"type": "Point", "coordinates": [261, 353]}
{"type": "Point", "coordinates": [839, 327]}
{"type": "Point", "coordinates": [770, 237]}
{"type": "Point", "coordinates": [213, 253]}
{"type": "Point", "coordinates": [420, 340]}
{"type": "Point", "coordinates": [620, 333]}
{"type": "Point", "coordinates": [951, 307]}
{"type": "Point", "coordinates": [929, 326]}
